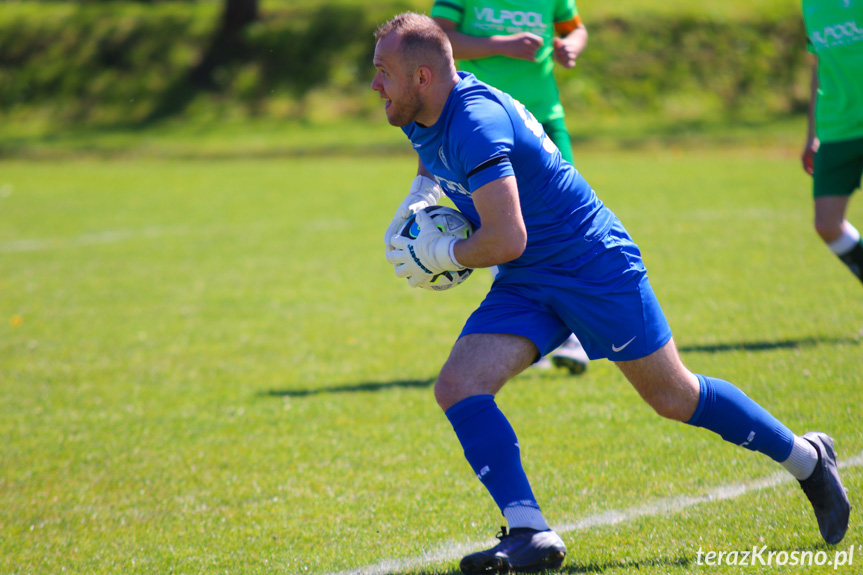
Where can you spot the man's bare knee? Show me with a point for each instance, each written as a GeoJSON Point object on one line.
{"type": "Point", "coordinates": [829, 218]}
{"type": "Point", "coordinates": [664, 383]}
{"type": "Point", "coordinates": [452, 386]}
{"type": "Point", "coordinates": [445, 390]}
{"type": "Point", "coordinates": [670, 406]}
{"type": "Point", "coordinates": [480, 364]}
{"type": "Point", "coordinates": [828, 231]}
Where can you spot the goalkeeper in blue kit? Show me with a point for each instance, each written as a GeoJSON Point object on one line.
{"type": "Point", "coordinates": [567, 265]}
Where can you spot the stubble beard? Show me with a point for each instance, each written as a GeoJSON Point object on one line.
{"type": "Point", "coordinates": [404, 113]}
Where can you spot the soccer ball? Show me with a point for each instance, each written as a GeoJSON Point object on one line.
{"type": "Point", "coordinates": [451, 222]}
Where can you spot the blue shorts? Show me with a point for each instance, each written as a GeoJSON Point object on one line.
{"type": "Point", "coordinates": [603, 297]}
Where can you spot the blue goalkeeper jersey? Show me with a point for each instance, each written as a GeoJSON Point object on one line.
{"type": "Point", "coordinates": [484, 134]}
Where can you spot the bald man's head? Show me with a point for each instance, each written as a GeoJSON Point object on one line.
{"type": "Point", "coordinates": [421, 42]}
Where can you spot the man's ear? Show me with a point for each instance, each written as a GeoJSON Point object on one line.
{"type": "Point", "coordinates": [423, 77]}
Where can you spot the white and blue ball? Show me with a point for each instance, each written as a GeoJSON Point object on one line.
{"type": "Point", "coordinates": [452, 223]}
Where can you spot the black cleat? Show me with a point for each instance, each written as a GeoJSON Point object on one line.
{"type": "Point", "coordinates": [825, 490]}
{"type": "Point", "coordinates": [521, 550]}
{"type": "Point", "coordinates": [572, 356]}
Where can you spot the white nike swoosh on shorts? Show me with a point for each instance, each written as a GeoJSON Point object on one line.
{"type": "Point", "coordinates": [615, 349]}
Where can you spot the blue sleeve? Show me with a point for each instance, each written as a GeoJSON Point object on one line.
{"type": "Point", "coordinates": [485, 142]}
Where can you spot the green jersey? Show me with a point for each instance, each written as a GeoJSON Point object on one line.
{"type": "Point", "coordinates": [531, 83]}
{"type": "Point", "coordinates": [835, 32]}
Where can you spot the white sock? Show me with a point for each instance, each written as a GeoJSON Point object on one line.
{"type": "Point", "coordinates": [803, 459]}
{"type": "Point", "coordinates": [846, 242]}
{"type": "Point", "coordinates": [523, 516]}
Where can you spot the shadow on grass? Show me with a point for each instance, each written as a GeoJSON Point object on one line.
{"type": "Point", "coordinates": [768, 345]}
{"type": "Point", "coordinates": [355, 388]}
{"type": "Point", "coordinates": [374, 386]}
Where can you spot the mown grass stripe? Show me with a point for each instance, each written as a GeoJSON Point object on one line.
{"type": "Point", "coordinates": [665, 506]}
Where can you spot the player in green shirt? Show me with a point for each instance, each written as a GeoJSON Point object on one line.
{"type": "Point", "coordinates": [513, 45]}
{"type": "Point", "coordinates": [833, 153]}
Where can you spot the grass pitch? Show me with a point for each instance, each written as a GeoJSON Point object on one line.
{"type": "Point", "coordinates": [207, 366]}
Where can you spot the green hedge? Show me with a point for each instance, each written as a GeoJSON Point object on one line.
{"type": "Point", "coordinates": [730, 66]}
{"type": "Point", "coordinates": [120, 62]}
{"type": "Point", "coordinates": [96, 63]}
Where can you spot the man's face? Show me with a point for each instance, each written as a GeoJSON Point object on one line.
{"type": "Point", "coordinates": [393, 84]}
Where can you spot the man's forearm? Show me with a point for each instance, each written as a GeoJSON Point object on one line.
{"type": "Point", "coordinates": [466, 47]}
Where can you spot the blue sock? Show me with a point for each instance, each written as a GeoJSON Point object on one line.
{"type": "Point", "coordinates": [491, 448]}
{"type": "Point", "coordinates": [724, 409]}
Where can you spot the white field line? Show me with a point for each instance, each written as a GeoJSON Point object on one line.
{"type": "Point", "coordinates": [666, 506]}
{"type": "Point", "coordinates": [97, 238]}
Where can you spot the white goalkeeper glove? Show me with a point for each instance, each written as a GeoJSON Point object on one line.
{"type": "Point", "coordinates": [424, 193]}
{"type": "Point", "coordinates": [422, 258]}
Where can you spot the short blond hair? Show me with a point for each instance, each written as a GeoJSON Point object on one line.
{"type": "Point", "coordinates": [422, 41]}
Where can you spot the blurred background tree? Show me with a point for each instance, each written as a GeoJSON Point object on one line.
{"type": "Point", "coordinates": [227, 42]}
{"type": "Point", "coordinates": [135, 63]}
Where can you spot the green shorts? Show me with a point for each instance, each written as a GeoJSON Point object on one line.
{"type": "Point", "coordinates": [557, 131]}
{"type": "Point", "coordinates": [838, 168]}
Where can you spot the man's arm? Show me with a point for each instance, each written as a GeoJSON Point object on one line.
{"type": "Point", "coordinates": [502, 236]}
{"type": "Point", "coordinates": [811, 145]}
{"type": "Point", "coordinates": [572, 42]}
{"type": "Point", "coordinates": [521, 46]}
{"type": "Point", "coordinates": [422, 171]}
